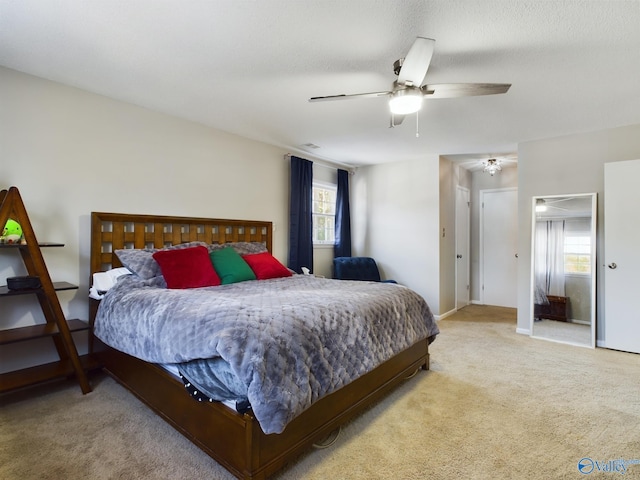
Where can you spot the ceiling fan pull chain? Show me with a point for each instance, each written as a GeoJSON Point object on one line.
{"type": "Point", "coordinates": [417, 125]}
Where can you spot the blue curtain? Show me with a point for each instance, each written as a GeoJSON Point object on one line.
{"type": "Point", "coordinates": [342, 247]}
{"type": "Point", "coordinates": [300, 215]}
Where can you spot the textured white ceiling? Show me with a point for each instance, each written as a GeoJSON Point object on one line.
{"type": "Point", "coordinates": [249, 67]}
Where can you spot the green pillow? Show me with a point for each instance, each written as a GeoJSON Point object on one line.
{"type": "Point", "coordinates": [230, 266]}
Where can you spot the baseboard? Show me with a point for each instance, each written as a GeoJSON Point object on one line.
{"type": "Point", "coordinates": [524, 331]}
{"type": "Point", "coordinates": [445, 315]}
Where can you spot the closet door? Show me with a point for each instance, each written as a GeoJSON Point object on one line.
{"type": "Point", "coordinates": [462, 247]}
{"type": "Point", "coordinates": [621, 256]}
{"type": "Point", "coordinates": [499, 247]}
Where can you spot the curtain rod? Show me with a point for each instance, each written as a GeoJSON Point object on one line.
{"type": "Point", "coordinates": [325, 164]}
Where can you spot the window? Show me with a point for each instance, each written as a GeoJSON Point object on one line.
{"type": "Point", "coordinates": [324, 214]}
{"type": "Point", "coordinates": [577, 254]}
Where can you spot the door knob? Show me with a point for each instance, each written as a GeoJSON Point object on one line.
{"type": "Point", "coordinates": [613, 266]}
{"type": "Point", "coordinates": [458, 256]}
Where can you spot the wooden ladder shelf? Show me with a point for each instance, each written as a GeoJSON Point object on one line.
{"type": "Point", "coordinates": [57, 326]}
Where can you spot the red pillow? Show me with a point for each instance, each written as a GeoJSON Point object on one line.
{"type": "Point", "coordinates": [265, 266]}
{"type": "Point", "coordinates": [187, 267]}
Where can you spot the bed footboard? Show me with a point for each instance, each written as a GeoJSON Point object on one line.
{"type": "Point", "coordinates": [244, 449]}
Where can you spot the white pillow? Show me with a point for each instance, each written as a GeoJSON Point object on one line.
{"type": "Point", "coordinates": [103, 281]}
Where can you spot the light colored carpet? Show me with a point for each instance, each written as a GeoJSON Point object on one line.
{"type": "Point", "coordinates": [495, 405]}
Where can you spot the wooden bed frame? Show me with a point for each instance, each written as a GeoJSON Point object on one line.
{"type": "Point", "coordinates": [232, 439]}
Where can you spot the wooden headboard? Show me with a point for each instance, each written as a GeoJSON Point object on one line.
{"type": "Point", "coordinates": [115, 231]}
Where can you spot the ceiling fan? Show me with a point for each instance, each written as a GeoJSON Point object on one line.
{"type": "Point", "coordinates": [407, 92]}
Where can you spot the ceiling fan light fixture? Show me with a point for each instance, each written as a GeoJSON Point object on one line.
{"type": "Point", "coordinates": [405, 101]}
{"type": "Point", "coordinates": [408, 90]}
{"type": "Point", "coordinates": [540, 205]}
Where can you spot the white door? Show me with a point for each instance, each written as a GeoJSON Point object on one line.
{"type": "Point", "coordinates": [621, 256]}
{"type": "Point", "coordinates": [499, 247]}
{"type": "Point", "coordinates": [462, 247]}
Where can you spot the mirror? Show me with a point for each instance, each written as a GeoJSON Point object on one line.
{"type": "Point", "coordinates": [564, 269]}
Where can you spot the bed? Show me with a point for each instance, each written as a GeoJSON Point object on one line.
{"type": "Point", "coordinates": [236, 438]}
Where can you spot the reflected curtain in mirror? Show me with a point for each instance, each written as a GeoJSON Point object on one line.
{"type": "Point", "coordinates": [549, 260]}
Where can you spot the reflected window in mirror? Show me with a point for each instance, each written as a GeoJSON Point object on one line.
{"type": "Point", "coordinates": [577, 246]}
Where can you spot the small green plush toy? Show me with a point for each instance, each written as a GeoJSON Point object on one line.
{"type": "Point", "coordinates": [12, 232]}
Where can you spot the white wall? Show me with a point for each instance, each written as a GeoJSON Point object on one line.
{"type": "Point", "coordinates": [567, 165]}
{"type": "Point", "coordinates": [70, 152]}
{"type": "Point", "coordinates": [395, 219]}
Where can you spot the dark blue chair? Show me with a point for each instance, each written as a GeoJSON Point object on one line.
{"type": "Point", "coordinates": [357, 268]}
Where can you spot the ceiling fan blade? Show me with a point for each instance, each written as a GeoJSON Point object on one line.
{"type": "Point", "coordinates": [416, 63]}
{"type": "Point", "coordinates": [452, 90]}
{"type": "Point", "coordinates": [345, 97]}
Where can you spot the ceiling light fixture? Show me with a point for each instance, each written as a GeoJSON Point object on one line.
{"type": "Point", "coordinates": [492, 166]}
{"type": "Point", "coordinates": [405, 101]}
{"type": "Point", "coordinates": [540, 205]}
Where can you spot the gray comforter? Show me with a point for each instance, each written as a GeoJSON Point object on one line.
{"type": "Point", "coordinates": [289, 341]}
